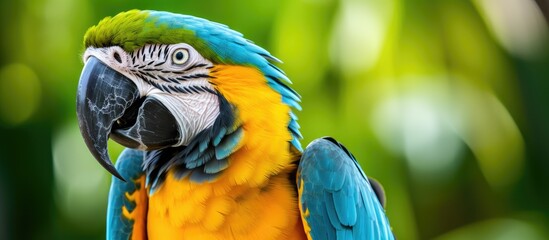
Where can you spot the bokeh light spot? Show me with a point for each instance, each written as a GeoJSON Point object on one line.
{"type": "Point", "coordinates": [428, 123]}
{"type": "Point", "coordinates": [415, 125]}
{"type": "Point", "coordinates": [20, 93]}
{"type": "Point", "coordinates": [518, 25]}
{"type": "Point", "coordinates": [359, 32]}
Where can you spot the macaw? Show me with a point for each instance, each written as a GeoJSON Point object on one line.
{"type": "Point", "coordinates": [213, 147]}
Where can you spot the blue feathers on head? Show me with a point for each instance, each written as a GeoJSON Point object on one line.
{"type": "Point", "coordinates": [230, 47]}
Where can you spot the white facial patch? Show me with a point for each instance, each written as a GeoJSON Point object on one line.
{"type": "Point", "coordinates": [176, 75]}
{"type": "Point", "coordinates": [194, 113]}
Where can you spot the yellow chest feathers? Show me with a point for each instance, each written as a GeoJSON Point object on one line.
{"type": "Point", "coordinates": [199, 212]}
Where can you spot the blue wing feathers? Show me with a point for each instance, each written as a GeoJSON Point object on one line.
{"type": "Point", "coordinates": [337, 194]}
{"type": "Point", "coordinates": [332, 212]}
{"type": "Point", "coordinates": [360, 222]}
{"type": "Point", "coordinates": [129, 165]}
{"type": "Point", "coordinates": [344, 234]}
{"type": "Point", "coordinates": [345, 207]}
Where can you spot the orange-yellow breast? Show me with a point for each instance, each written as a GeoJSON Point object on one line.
{"type": "Point", "coordinates": [254, 198]}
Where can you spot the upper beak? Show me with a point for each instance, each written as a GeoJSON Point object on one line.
{"type": "Point", "coordinates": [103, 97]}
{"type": "Point", "coordinates": [109, 105]}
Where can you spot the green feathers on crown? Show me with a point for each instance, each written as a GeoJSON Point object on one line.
{"type": "Point", "coordinates": [133, 29]}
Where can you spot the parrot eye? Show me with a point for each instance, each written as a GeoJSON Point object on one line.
{"type": "Point", "coordinates": [180, 56]}
{"type": "Point", "coordinates": [117, 57]}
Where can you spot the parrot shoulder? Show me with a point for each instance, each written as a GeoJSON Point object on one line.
{"type": "Point", "coordinates": [336, 198]}
{"type": "Point", "coordinates": [128, 201]}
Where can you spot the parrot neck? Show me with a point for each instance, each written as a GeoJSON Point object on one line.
{"type": "Point", "coordinates": [255, 197]}
{"type": "Point", "coordinates": [265, 148]}
{"type": "Point", "coordinates": [249, 141]}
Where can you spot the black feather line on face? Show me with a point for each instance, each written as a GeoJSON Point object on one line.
{"type": "Point", "coordinates": [148, 77]}
{"type": "Point", "coordinates": [199, 153]}
{"type": "Point", "coordinates": [166, 50]}
{"type": "Point", "coordinates": [198, 65]}
{"type": "Point", "coordinates": [151, 70]}
{"type": "Point", "coordinates": [142, 55]}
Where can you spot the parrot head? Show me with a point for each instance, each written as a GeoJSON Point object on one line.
{"type": "Point", "coordinates": [157, 81]}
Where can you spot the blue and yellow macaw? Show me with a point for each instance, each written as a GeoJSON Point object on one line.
{"type": "Point", "coordinates": [213, 146]}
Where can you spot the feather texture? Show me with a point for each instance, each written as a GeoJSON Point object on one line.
{"type": "Point", "coordinates": [336, 199]}
{"type": "Point", "coordinates": [232, 175]}
{"type": "Point", "coordinates": [210, 145]}
{"type": "Point", "coordinates": [127, 209]}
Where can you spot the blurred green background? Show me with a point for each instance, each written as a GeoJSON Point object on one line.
{"type": "Point", "coordinates": [445, 102]}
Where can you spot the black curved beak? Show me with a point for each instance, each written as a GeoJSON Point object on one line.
{"type": "Point", "coordinates": [109, 105]}
{"type": "Point", "coordinates": [102, 98]}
